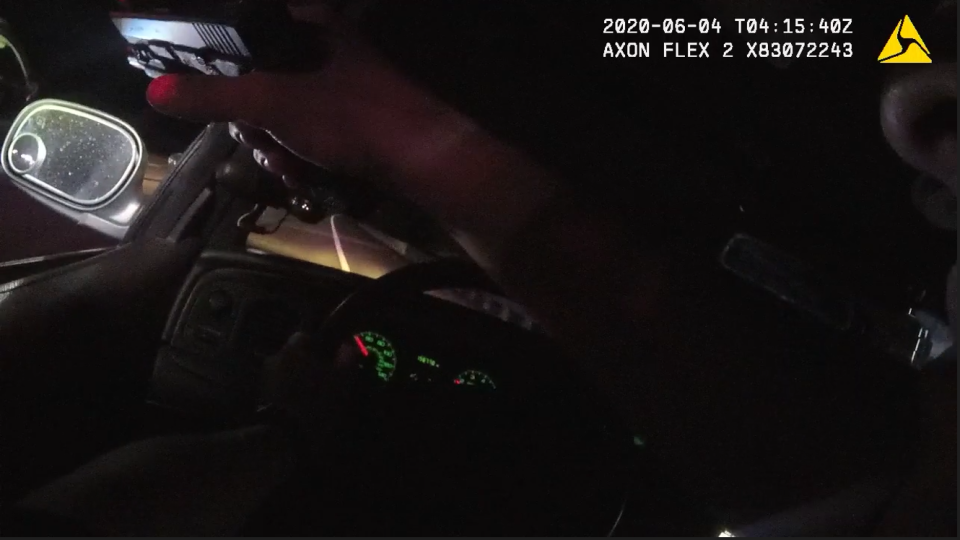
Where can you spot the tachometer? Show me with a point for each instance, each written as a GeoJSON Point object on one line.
{"type": "Point", "coordinates": [475, 378]}
{"type": "Point", "coordinates": [380, 351]}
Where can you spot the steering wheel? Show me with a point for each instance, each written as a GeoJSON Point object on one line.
{"type": "Point", "coordinates": [541, 458]}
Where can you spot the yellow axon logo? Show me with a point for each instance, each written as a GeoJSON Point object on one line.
{"type": "Point", "coordinates": [905, 45]}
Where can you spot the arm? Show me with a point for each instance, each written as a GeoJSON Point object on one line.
{"type": "Point", "coordinates": [185, 485]}
{"type": "Point", "coordinates": [206, 484]}
{"type": "Point", "coordinates": [510, 213]}
{"type": "Point", "coordinates": [625, 309]}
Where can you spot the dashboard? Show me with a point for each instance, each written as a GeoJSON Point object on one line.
{"type": "Point", "coordinates": [474, 425]}
{"type": "Point", "coordinates": [237, 309]}
{"type": "Point", "coordinates": [379, 353]}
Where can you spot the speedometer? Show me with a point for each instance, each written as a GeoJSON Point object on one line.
{"type": "Point", "coordinates": [380, 351]}
{"type": "Point", "coordinates": [475, 378]}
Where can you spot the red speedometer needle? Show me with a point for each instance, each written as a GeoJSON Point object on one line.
{"type": "Point", "coordinates": [363, 348]}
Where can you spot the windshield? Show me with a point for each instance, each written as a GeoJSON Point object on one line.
{"type": "Point", "coordinates": [336, 242]}
{"type": "Point", "coordinates": [341, 242]}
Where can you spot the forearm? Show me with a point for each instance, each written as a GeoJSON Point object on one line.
{"type": "Point", "coordinates": [172, 486]}
{"type": "Point", "coordinates": [596, 292]}
{"type": "Point", "coordinates": [577, 271]}
{"type": "Point", "coordinates": [532, 233]}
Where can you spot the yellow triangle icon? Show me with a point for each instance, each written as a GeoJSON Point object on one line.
{"type": "Point", "coordinates": [905, 45]}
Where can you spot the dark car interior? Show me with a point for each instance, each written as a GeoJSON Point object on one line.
{"type": "Point", "coordinates": [473, 425]}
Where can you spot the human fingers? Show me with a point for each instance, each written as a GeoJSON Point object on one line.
{"type": "Point", "coordinates": [919, 103]}
{"type": "Point", "coordinates": [259, 99]}
{"type": "Point", "coordinates": [918, 115]}
{"type": "Point", "coordinates": [254, 138]}
{"type": "Point", "coordinates": [270, 154]}
{"type": "Point", "coordinates": [313, 389]}
{"type": "Point", "coordinates": [286, 371]}
{"type": "Point", "coordinates": [281, 163]}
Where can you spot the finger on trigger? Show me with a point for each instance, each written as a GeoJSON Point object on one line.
{"type": "Point", "coordinates": [215, 99]}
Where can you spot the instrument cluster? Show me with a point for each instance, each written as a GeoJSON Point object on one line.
{"type": "Point", "coordinates": [390, 364]}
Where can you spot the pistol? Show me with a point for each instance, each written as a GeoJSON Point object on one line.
{"type": "Point", "coordinates": [225, 37]}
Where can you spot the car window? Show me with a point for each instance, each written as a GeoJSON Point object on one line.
{"type": "Point", "coordinates": [34, 230]}
{"type": "Point", "coordinates": [343, 243]}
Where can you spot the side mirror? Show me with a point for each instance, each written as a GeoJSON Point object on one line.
{"type": "Point", "coordinates": [80, 162]}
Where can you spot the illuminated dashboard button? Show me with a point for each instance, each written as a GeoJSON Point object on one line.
{"type": "Point", "coordinates": [474, 378]}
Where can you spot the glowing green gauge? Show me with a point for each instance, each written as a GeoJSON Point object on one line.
{"type": "Point", "coordinates": [380, 350]}
{"type": "Point", "coordinates": [475, 378]}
